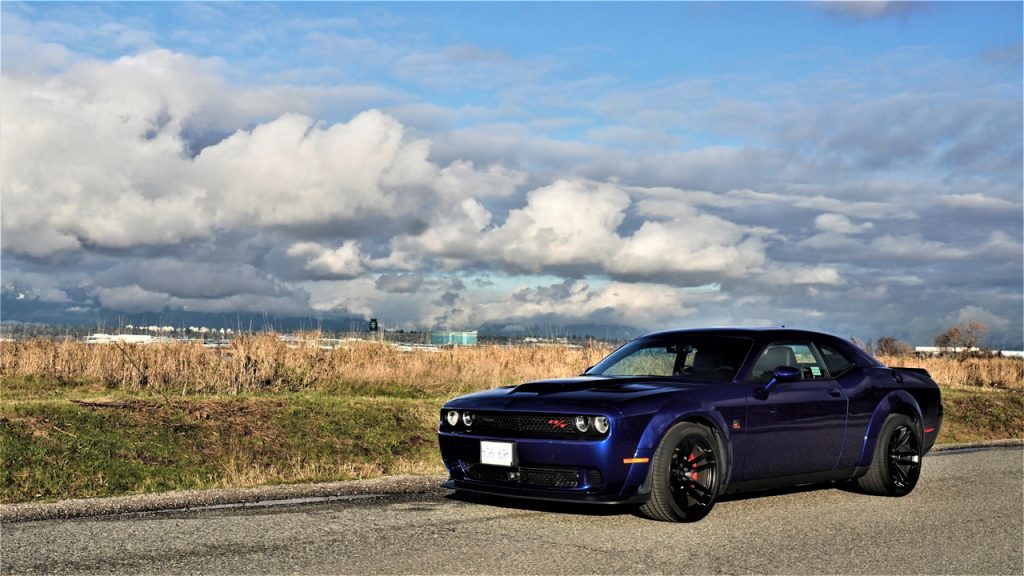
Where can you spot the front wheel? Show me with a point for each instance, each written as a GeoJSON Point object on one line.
{"type": "Point", "coordinates": [896, 464]}
{"type": "Point", "coordinates": [687, 475]}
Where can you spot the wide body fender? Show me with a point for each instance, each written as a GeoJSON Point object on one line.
{"type": "Point", "coordinates": [895, 402]}
{"type": "Point", "coordinates": [671, 413]}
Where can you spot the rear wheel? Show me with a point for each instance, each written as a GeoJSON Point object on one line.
{"type": "Point", "coordinates": [686, 471]}
{"type": "Point", "coordinates": [896, 465]}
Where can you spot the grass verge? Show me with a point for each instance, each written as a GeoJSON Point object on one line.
{"type": "Point", "coordinates": [62, 441]}
{"type": "Point", "coordinates": [71, 448]}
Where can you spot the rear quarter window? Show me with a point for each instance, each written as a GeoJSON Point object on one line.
{"type": "Point", "coordinates": [835, 360]}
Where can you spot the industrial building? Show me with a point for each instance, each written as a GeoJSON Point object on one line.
{"type": "Point", "coordinates": [450, 338]}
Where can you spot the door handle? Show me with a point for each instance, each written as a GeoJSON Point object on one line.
{"type": "Point", "coordinates": [835, 392]}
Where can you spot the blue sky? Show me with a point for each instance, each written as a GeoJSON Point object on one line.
{"type": "Point", "coordinates": [854, 167]}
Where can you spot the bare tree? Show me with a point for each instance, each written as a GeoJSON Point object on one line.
{"type": "Point", "coordinates": [889, 346]}
{"type": "Point", "coordinates": [951, 338]}
{"type": "Point", "coordinates": [974, 333]}
{"type": "Point", "coordinates": [964, 336]}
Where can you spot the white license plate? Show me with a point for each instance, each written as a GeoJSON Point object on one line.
{"type": "Point", "coordinates": [497, 453]}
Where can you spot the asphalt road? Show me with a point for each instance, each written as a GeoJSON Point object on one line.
{"type": "Point", "coordinates": [965, 517]}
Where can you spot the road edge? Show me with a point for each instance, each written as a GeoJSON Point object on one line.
{"type": "Point", "coordinates": [282, 493]}
{"type": "Point", "coordinates": [219, 497]}
{"type": "Point", "coordinates": [1008, 443]}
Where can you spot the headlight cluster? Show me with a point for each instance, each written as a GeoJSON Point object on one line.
{"type": "Point", "coordinates": [599, 424]}
{"type": "Point", "coordinates": [453, 417]}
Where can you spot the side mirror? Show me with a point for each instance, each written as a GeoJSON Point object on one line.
{"type": "Point", "coordinates": [780, 374]}
{"type": "Point", "coordinates": [785, 374]}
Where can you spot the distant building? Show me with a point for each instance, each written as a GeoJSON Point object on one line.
{"type": "Point", "coordinates": [100, 338]}
{"type": "Point", "coordinates": [449, 338]}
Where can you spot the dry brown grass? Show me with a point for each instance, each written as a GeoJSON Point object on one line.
{"type": "Point", "coordinates": [972, 372]}
{"type": "Point", "coordinates": [263, 363]}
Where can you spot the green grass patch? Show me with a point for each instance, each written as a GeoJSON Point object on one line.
{"type": "Point", "coordinates": [988, 414]}
{"type": "Point", "coordinates": [70, 448]}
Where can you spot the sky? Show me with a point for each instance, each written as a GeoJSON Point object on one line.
{"type": "Point", "coordinates": [849, 167]}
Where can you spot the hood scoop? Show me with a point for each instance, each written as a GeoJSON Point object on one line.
{"type": "Point", "coordinates": [561, 385]}
{"type": "Point", "coordinates": [581, 383]}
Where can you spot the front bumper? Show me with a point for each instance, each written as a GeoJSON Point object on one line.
{"type": "Point", "coordinates": [532, 493]}
{"type": "Point", "coordinates": [547, 469]}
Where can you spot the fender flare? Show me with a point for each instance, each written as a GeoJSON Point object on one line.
{"type": "Point", "coordinates": [896, 402]}
{"type": "Point", "coordinates": [668, 416]}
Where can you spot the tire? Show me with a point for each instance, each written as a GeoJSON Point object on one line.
{"type": "Point", "coordinates": [896, 463]}
{"type": "Point", "coordinates": [687, 471]}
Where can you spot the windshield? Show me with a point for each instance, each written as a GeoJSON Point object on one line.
{"type": "Point", "coordinates": [703, 357]}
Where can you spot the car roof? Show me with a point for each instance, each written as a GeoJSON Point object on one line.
{"type": "Point", "coordinates": [760, 333]}
{"type": "Point", "coordinates": [765, 335]}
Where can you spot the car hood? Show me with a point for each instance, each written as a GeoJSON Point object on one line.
{"type": "Point", "coordinates": [572, 393]}
{"type": "Point", "coordinates": [601, 384]}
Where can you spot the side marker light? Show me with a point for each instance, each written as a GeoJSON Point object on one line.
{"type": "Point", "coordinates": [929, 430]}
{"type": "Point", "coordinates": [635, 460]}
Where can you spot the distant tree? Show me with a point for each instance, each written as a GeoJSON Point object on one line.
{"type": "Point", "coordinates": [966, 336]}
{"type": "Point", "coordinates": [974, 333]}
{"type": "Point", "coordinates": [889, 346]}
{"type": "Point", "coordinates": [949, 339]}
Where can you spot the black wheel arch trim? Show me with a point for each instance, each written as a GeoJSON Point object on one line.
{"type": "Point", "coordinates": [717, 427]}
{"type": "Point", "coordinates": [896, 402]}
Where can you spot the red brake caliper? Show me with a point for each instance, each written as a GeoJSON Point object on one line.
{"type": "Point", "coordinates": [693, 475]}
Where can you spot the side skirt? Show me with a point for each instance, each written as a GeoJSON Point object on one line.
{"type": "Point", "coordinates": [795, 480]}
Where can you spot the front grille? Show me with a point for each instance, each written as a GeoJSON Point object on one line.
{"type": "Point", "coordinates": [559, 478]}
{"type": "Point", "coordinates": [520, 424]}
{"type": "Point", "coordinates": [548, 476]}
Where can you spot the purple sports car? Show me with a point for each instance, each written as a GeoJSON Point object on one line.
{"type": "Point", "coordinates": [673, 420]}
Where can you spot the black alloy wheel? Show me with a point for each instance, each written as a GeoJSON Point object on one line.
{"type": "Point", "coordinates": [904, 458]}
{"type": "Point", "coordinates": [686, 474]}
{"type": "Point", "coordinates": [694, 471]}
{"type": "Point", "coordinates": [896, 462]}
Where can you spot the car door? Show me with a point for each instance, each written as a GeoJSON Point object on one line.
{"type": "Point", "coordinates": [797, 427]}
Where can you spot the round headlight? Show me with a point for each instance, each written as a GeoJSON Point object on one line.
{"type": "Point", "coordinates": [601, 424]}
{"type": "Point", "coordinates": [582, 423]}
{"type": "Point", "coordinates": [467, 418]}
{"type": "Point", "coordinates": [452, 417]}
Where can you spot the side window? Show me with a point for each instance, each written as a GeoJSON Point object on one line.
{"type": "Point", "coordinates": [834, 359]}
{"type": "Point", "coordinates": [796, 354]}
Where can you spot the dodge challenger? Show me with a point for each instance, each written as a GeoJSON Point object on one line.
{"type": "Point", "coordinates": [673, 420]}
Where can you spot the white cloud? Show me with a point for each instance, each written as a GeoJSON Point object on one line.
{"type": "Point", "coordinates": [795, 275]}
{"type": "Point", "coordinates": [1000, 244]}
{"type": "Point", "coordinates": [461, 180]}
{"type": "Point", "coordinates": [565, 223]}
{"type": "Point", "coordinates": [346, 261]}
{"type": "Point", "coordinates": [840, 224]}
{"type": "Point", "coordinates": [978, 202]}
{"type": "Point", "coordinates": [292, 171]}
{"type": "Point", "coordinates": [95, 156]}
{"type": "Point", "coordinates": [972, 313]}
{"type": "Point", "coordinates": [133, 298]}
{"type": "Point", "coordinates": [915, 247]}
{"type": "Point", "coordinates": [100, 156]}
